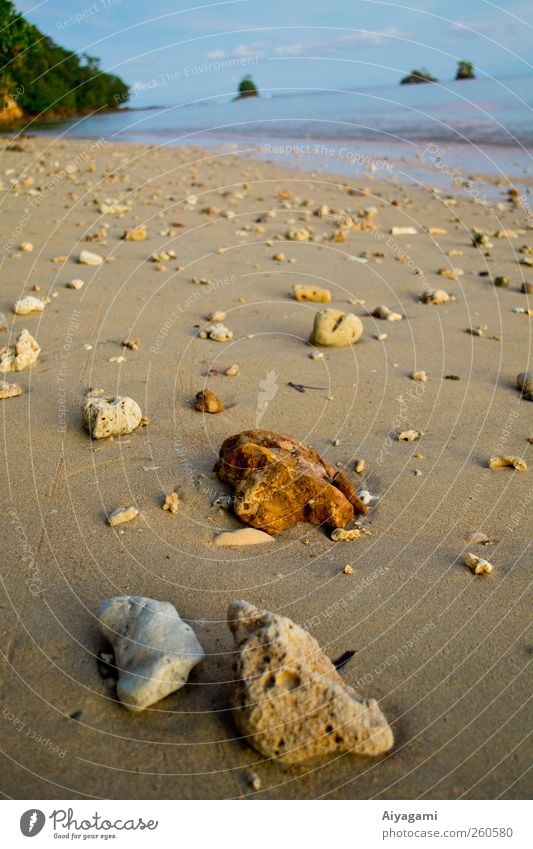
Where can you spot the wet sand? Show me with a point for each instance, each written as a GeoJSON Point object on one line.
{"type": "Point", "coordinates": [443, 651]}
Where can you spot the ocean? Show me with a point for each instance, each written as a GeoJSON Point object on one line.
{"type": "Point", "coordinates": [439, 134]}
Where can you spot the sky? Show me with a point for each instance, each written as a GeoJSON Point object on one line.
{"type": "Point", "coordinates": [178, 51]}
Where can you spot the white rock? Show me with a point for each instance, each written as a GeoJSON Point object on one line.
{"type": "Point", "coordinates": [243, 536]}
{"type": "Point", "coordinates": [403, 231]}
{"type": "Point", "coordinates": [28, 304]}
{"type": "Point", "coordinates": [122, 515]}
{"type": "Point", "coordinates": [154, 649]}
{"type": "Point", "coordinates": [75, 284]}
{"type": "Point", "coordinates": [114, 416]}
{"type": "Point", "coordinates": [88, 258]}
{"type": "Point", "coordinates": [19, 356]}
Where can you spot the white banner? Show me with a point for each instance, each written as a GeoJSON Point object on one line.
{"type": "Point", "coordinates": [301, 824]}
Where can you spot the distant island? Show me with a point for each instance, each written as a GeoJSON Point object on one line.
{"type": "Point", "coordinates": [38, 78]}
{"type": "Point", "coordinates": [465, 70]}
{"type": "Point", "coordinates": [415, 76]}
{"type": "Point", "coordinates": [247, 88]}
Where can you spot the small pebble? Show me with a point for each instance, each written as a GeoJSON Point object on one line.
{"type": "Point", "coordinates": [121, 515]}
{"type": "Point", "coordinates": [171, 503]}
{"type": "Point", "coordinates": [348, 570]}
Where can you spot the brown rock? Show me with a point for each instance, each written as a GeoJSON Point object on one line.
{"type": "Point", "coordinates": [336, 329]}
{"type": "Point", "coordinates": [287, 697]}
{"type": "Point", "coordinates": [9, 390]}
{"type": "Point", "coordinates": [279, 481]}
{"type": "Point", "coordinates": [207, 402]}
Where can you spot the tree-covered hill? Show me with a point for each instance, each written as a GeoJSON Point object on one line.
{"type": "Point", "coordinates": [38, 77]}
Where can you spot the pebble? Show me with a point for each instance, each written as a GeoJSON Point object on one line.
{"type": "Point", "coordinates": [478, 565]}
{"type": "Point", "coordinates": [112, 416]}
{"type": "Point", "coordinates": [316, 355]}
{"type": "Point", "coordinates": [138, 234]}
{"type": "Point", "coordinates": [386, 314]}
{"type": "Point", "coordinates": [380, 336]}
{"type": "Point", "coordinates": [360, 466]}
{"type": "Point", "coordinates": [27, 247]}
{"type": "Point", "coordinates": [502, 282]}
{"type": "Point", "coordinates": [120, 359]}
{"type": "Point", "coordinates": [232, 371]}
{"type": "Point", "coordinates": [527, 288]}
{"type": "Point", "coordinates": [88, 258]}
{"type": "Point", "coordinates": [348, 570]}
{"type": "Point", "coordinates": [404, 231]}
{"type": "Point", "coordinates": [508, 460]}
{"type": "Point", "coordinates": [409, 435]}
{"type": "Point", "coordinates": [436, 297]}
{"type": "Point", "coordinates": [299, 235]}
{"type": "Point", "coordinates": [421, 376]}
{"type": "Point", "coordinates": [154, 649]}
{"type": "Point", "coordinates": [366, 498]}
{"type": "Point", "coordinates": [132, 344]}
{"type": "Point", "coordinates": [75, 284]}
{"type": "Point", "coordinates": [9, 390]}
{"type": "Point", "coordinates": [312, 293]}
{"type": "Point", "coordinates": [122, 515]}
{"type": "Point", "coordinates": [451, 273]}
{"type": "Point", "coordinates": [28, 304]}
{"type": "Point", "coordinates": [336, 329]}
{"type": "Point", "coordinates": [281, 675]}
{"type": "Point", "coordinates": [341, 535]}
{"type": "Point", "coordinates": [217, 317]}
{"type": "Point", "coordinates": [206, 401]}
{"type": "Point", "coordinates": [243, 536]}
{"type": "Point", "coordinates": [171, 503]}
{"type": "Point", "coordinates": [217, 332]}
{"type": "Point", "coordinates": [19, 356]}
{"type": "Point", "coordinates": [524, 382]}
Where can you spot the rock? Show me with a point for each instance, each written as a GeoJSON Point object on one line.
{"type": "Point", "coordinates": [19, 356]}
{"type": "Point", "coordinates": [133, 344]}
{"type": "Point", "coordinates": [88, 258]}
{"type": "Point", "coordinates": [336, 329]}
{"type": "Point", "coordinates": [111, 416]}
{"type": "Point", "coordinates": [386, 314]}
{"type": "Point", "coordinates": [436, 297]}
{"type": "Point", "coordinates": [138, 234]}
{"type": "Point", "coordinates": [27, 247]}
{"type": "Point", "coordinates": [502, 282]}
{"type": "Point", "coordinates": [279, 482]}
{"type": "Point", "coordinates": [437, 231]}
{"type": "Point", "coordinates": [348, 570]}
{"type": "Point", "coordinates": [409, 435]}
{"type": "Point", "coordinates": [206, 401]}
{"type": "Point", "coordinates": [288, 699]}
{"type": "Point", "coordinates": [111, 208]}
{"type": "Point", "coordinates": [340, 535]}
{"type": "Point", "coordinates": [524, 381]}
{"type": "Point", "coordinates": [244, 536]}
{"type": "Point", "coordinates": [312, 293]}
{"type": "Point", "coordinates": [478, 565]}
{"type": "Point", "coordinates": [421, 376]}
{"type": "Point", "coordinates": [232, 371]}
{"type": "Point", "coordinates": [301, 235]}
{"type": "Point", "coordinates": [28, 304]}
{"type": "Point", "coordinates": [9, 390]}
{"type": "Point", "coordinates": [217, 317]}
{"type": "Point", "coordinates": [508, 460]}
{"type": "Point", "coordinates": [360, 466]}
{"type": "Point", "coordinates": [216, 331]}
{"type": "Point", "coordinates": [171, 503]}
{"type": "Point", "coordinates": [154, 649]}
{"type": "Point", "coordinates": [451, 273]}
{"type": "Point", "coordinates": [527, 288]}
{"type": "Point", "coordinates": [404, 231]}
{"type": "Point", "coordinates": [122, 515]}
{"type": "Point", "coordinates": [75, 284]}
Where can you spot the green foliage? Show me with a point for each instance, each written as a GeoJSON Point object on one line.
{"type": "Point", "coordinates": [247, 88]}
{"type": "Point", "coordinates": [465, 70]}
{"type": "Point", "coordinates": [49, 80]}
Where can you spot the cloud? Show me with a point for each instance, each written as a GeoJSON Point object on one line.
{"type": "Point", "coordinates": [361, 38]}
{"type": "Point", "coordinates": [502, 27]}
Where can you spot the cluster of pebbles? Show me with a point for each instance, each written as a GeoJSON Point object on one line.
{"type": "Point", "coordinates": [287, 697]}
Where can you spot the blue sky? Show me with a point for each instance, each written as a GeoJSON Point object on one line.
{"type": "Point", "coordinates": [172, 51]}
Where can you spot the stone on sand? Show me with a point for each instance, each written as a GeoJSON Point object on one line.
{"type": "Point", "coordinates": [19, 356]}
{"type": "Point", "coordinates": [154, 649]}
{"type": "Point", "coordinates": [336, 329]}
{"type": "Point", "coordinates": [287, 698]}
{"type": "Point", "coordinates": [111, 416]}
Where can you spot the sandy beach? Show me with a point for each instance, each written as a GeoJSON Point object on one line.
{"type": "Point", "coordinates": [443, 651]}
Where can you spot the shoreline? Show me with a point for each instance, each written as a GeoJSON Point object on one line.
{"type": "Point", "coordinates": [441, 649]}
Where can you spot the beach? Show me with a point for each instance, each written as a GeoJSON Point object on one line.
{"type": "Point", "coordinates": [443, 650]}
